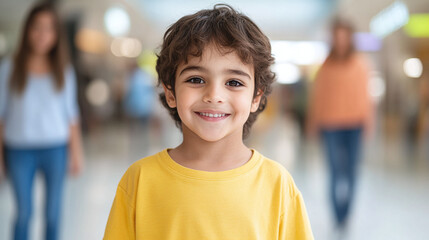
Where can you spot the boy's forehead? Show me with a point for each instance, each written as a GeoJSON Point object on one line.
{"type": "Point", "coordinates": [212, 53]}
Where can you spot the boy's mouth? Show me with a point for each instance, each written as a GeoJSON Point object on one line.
{"type": "Point", "coordinates": [212, 115]}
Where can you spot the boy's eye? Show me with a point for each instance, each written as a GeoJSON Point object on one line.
{"type": "Point", "coordinates": [234, 83]}
{"type": "Point", "coordinates": [195, 80]}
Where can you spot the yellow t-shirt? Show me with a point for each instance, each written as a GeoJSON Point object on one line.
{"type": "Point", "coordinates": [159, 199]}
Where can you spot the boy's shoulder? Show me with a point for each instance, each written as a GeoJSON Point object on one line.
{"type": "Point", "coordinates": [144, 166]}
{"type": "Point", "coordinates": [145, 162]}
{"type": "Point", "coordinates": [274, 167]}
{"type": "Point", "coordinates": [278, 172]}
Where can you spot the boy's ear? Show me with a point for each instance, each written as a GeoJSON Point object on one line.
{"type": "Point", "coordinates": [169, 96]}
{"type": "Point", "coordinates": [256, 101]}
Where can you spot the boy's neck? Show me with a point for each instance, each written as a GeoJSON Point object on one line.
{"type": "Point", "coordinates": [222, 155]}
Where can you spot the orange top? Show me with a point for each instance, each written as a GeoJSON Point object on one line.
{"type": "Point", "coordinates": [340, 96]}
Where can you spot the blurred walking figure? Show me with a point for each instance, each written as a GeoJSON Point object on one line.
{"type": "Point", "coordinates": [140, 94]}
{"type": "Point", "coordinates": [340, 110]}
{"type": "Point", "coordinates": [139, 102]}
{"type": "Point", "coordinates": [39, 118]}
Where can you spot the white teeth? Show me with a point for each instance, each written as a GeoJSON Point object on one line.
{"type": "Point", "coordinates": [216, 115]}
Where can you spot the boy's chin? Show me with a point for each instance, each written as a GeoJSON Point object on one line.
{"type": "Point", "coordinates": [209, 136]}
{"type": "Point", "coordinates": [212, 138]}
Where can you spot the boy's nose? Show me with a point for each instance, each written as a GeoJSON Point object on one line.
{"type": "Point", "coordinates": [213, 94]}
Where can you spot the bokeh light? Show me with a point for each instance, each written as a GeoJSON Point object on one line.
{"type": "Point", "coordinates": [299, 52]}
{"type": "Point", "coordinates": [126, 47]}
{"type": "Point", "coordinates": [287, 73]}
{"type": "Point", "coordinates": [90, 41]}
{"type": "Point", "coordinates": [98, 92]}
{"type": "Point", "coordinates": [117, 21]}
{"type": "Point", "coordinates": [413, 67]}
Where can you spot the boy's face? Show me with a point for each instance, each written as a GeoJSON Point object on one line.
{"type": "Point", "coordinates": [214, 94]}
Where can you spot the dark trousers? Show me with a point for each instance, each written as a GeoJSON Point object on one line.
{"type": "Point", "coordinates": [342, 147]}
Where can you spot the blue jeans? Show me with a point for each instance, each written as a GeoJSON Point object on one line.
{"type": "Point", "coordinates": [342, 148]}
{"type": "Point", "coordinates": [21, 166]}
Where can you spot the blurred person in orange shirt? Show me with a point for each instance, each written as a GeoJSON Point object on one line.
{"type": "Point", "coordinates": [39, 118]}
{"type": "Point", "coordinates": [341, 112]}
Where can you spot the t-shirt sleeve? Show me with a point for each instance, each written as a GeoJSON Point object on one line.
{"type": "Point", "coordinates": [121, 222]}
{"type": "Point", "coordinates": [294, 223]}
{"type": "Point", "coordinates": [71, 104]}
{"type": "Point", "coordinates": [4, 88]}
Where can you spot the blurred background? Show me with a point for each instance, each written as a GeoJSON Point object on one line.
{"type": "Point", "coordinates": [113, 46]}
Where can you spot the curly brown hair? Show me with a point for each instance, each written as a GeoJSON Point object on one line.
{"type": "Point", "coordinates": [227, 29]}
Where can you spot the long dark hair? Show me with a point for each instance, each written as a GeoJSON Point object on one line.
{"type": "Point", "coordinates": [57, 55]}
{"type": "Point", "coordinates": [340, 23]}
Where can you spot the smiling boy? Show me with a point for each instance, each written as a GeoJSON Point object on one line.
{"type": "Point", "coordinates": [214, 66]}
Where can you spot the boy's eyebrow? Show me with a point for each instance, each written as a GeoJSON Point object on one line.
{"type": "Point", "coordinates": [238, 72]}
{"type": "Point", "coordinates": [228, 71]}
{"type": "Point", "coordinates": [192, 67]}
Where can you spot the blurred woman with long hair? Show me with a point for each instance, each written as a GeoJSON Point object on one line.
{"type": "Point", "coordinates": [39, 118]}
{"type": "Point", "coordinates": [340, 110]}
